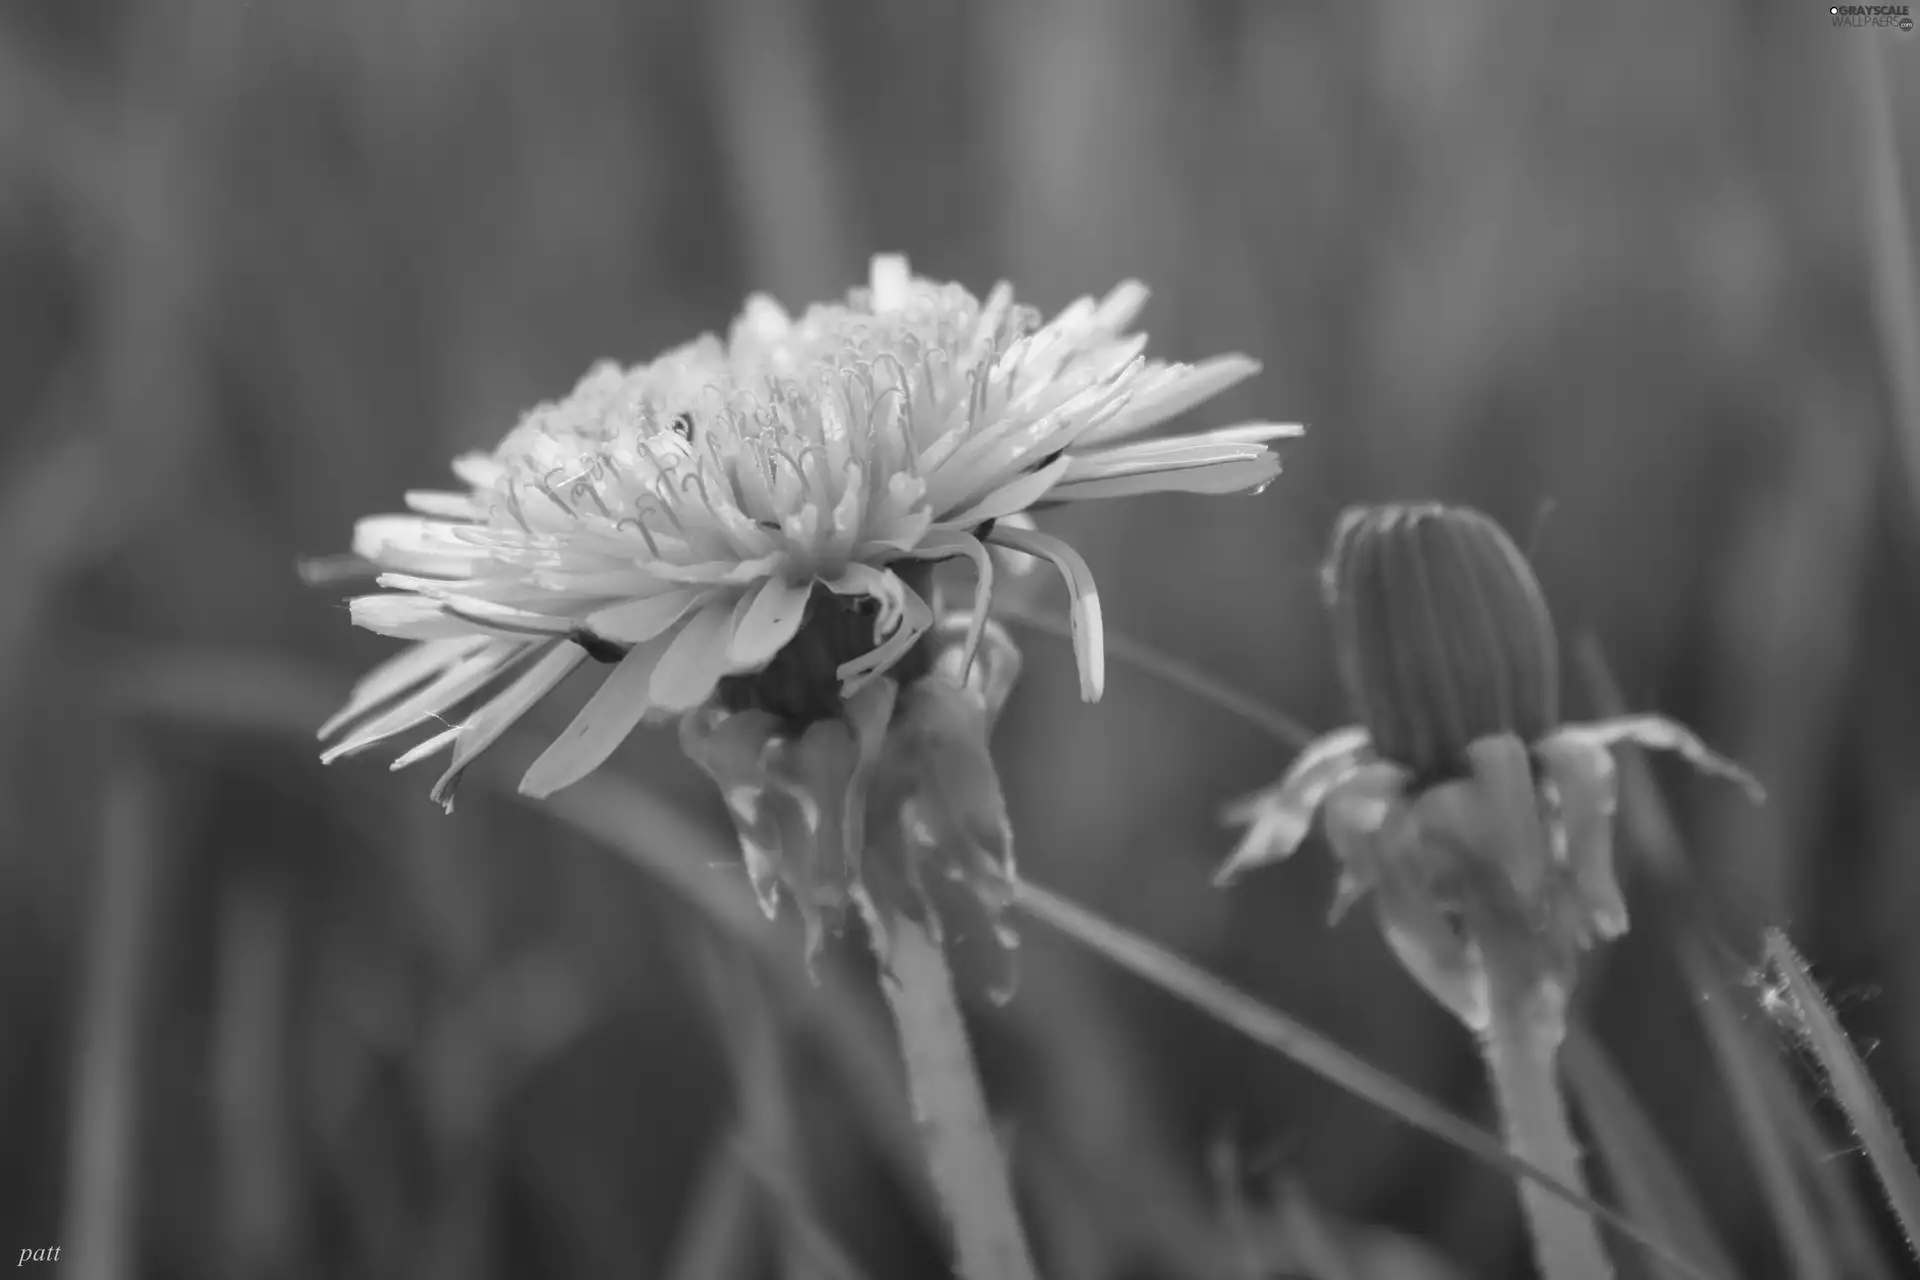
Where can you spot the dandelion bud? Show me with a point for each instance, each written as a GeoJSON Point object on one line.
{"type": "Point", "coordinates": [1443, 634]}
{"type": "Point", "coordinates": [1481, 826]}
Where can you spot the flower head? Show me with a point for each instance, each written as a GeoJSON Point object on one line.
{"type": "Point", "coordinates": [745, 532]}
{"type": "Point", "coordinates": [691, 520]}
{"type": "Point", "coordinates": [1461, 803]}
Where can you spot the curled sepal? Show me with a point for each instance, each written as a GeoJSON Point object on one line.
{"type": "Point", "coordinates": [1354, 811]}
{"type": "Point", "coordinates": [731, 747]}
{"type": "Point", "coordinates": [1661, 734]}
{"type": "Point", "coordinates": [1279, 817]}
{"type": "Point", "coordinates": [1579, 791]}
{"type": "Point", "coordinates": [936, 803]}
{"type": "Point", "coordinates": [1507, 821]}
{"type": "Point", "coordinates": [1487, 847]}
{"type": "Point", "coordinates": [1383, 847]}
{"type": "Point", "coordinates": [977, 654]}
{"type": "Point", "coordinates": [798, 801]}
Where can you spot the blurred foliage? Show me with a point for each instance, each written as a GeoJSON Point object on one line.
{"type": "Point", "coordinates": [1602, 270]}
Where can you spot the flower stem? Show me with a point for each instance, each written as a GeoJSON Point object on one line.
{"type": "Point", "coordinates": [967, 1166]}
{"type": "Point", "coordinates": [1521, 1044]}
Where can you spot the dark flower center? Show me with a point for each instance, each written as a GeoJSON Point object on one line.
{"type": "Point", "coordinates": [801, 685]}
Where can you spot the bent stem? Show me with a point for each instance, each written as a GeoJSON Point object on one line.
{"type": "Point", "coordinates": [967, 1166]}
{"type": "Point", "coordinates": [1521, 1045]}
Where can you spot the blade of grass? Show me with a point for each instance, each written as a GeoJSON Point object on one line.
{"type": "Point", "coordinates": [1740, 1059]}
{"type": "Point", "coordinates": [808, 1239]}
{"type": "Point", "coordinates": [1645, 1178]}
{"type": "Point", "coordinates": [1854, 1239]}
{"type": "Point", "coordinates": [1808, 1013]}
{"type": "Point", "coordinates": [762, 1146]}
{"type": "Point", "coordinates": [1896, 309]}
{"type": "Point", "coordinates": [1744, 1064]}
{"type": "Point", "coordinates": [714, 1231]}
{"type": "Point", "coordinates": [1308, 1048]}
{"type": "Point", "coordinates": [102, 1201]}
{"type": "Point", "coordinates": [252, 1078]}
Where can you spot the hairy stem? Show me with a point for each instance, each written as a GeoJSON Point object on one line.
{"type": "Point", "coordinates": [1521, 1044]}
{"type": "Point", "coordinates": [964, 1159]}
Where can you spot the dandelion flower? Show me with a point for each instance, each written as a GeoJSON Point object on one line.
{"type": "Point", "coordinates": [745, 529]}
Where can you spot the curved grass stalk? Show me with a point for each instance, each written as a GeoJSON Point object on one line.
{"type": "Point", "coordinates": [1181, 675]}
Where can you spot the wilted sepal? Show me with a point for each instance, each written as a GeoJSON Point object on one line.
{"type": "Point", "coordinates": [1525, 844]}
{"type": "Point", "coordinates": [869, 801]}
{"type": "Point", "coordinates": [1385, 848]}
{"type": "Point", "coordinates": [935, 801]}
{"type": "Point", "coordinates": [1278, 818]}
{"type": "Point", "coordinates": [1579, 793]}
{"type": "Point", "coordinates": [797, 801]}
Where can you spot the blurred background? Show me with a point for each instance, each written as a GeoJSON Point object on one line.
{"type": "Point", "coordinates": [1630, 276]}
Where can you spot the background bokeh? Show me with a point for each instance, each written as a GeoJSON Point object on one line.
{"type": "Point", "coordinates": [1628, 275]}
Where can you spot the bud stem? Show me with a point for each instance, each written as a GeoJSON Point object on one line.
{"type": "Point", "coordinates": [1521, 1045]}
{"type": "Point", "coordinates": [965, 1161]}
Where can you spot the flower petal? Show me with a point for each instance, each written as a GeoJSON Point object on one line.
{"type": "Point", "coordinates": [485, 615]}
{"type": "Point", "coordinates": [1661, 734]}
{"type": "Point", "coordinates": [1252, 433]}
{"type": "Point", "coordinates": [1121, 306]}
{"type": "Point", "coordinates": [1218, 478]}
{"type": "Point", "coordinates": [769, 619]}
{"type": "Point", "coordinates": [1174, 452]}
{"type": "Point", "coordinates": [478, 469]}
{"type": "Point", "coordinates": [904, 618]}
{"type": "Point", "coordinates": [455, 683]}
{"type": "Point", "coordinates": [432, 746]}
{"type": "Point", "coordinates": [613, 711]}
{"type": "Point", "coordinates": [882, 585]}
{"type": "Point", "coordinates": [483, 728]}
{"type": "Point", "coordinates": [414, 544]}
{"type": "Point", "coordinates": [993, 670]}
{"type": "Point", "coordinates": [1278, 818]}
{"type": "Point", "coordinates": [1015, 495]}
{"type": "Point", "coordinates": [1186, 387]}
{"type": "Point", "coordinates": [1089, 640]}
{"type": "Point", "coordinates": [400, 673]}
{"type": "Point", "coordinates": [1217, 470]}
{"type": "Point", "coordinates": [943, 544]}
{"type": "Point", "coordinates": [447, 506]}
{"type": "Point", "coordinates": [1018, 563]}
{"type": "Point", "coordinates": [891, 281]}
{"type": "Point", "coordinates": [407, 617]}
{"type": "Point", "coordinates": [638, 621]}
{"type": "Point", "coordinates": [694, 661]}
